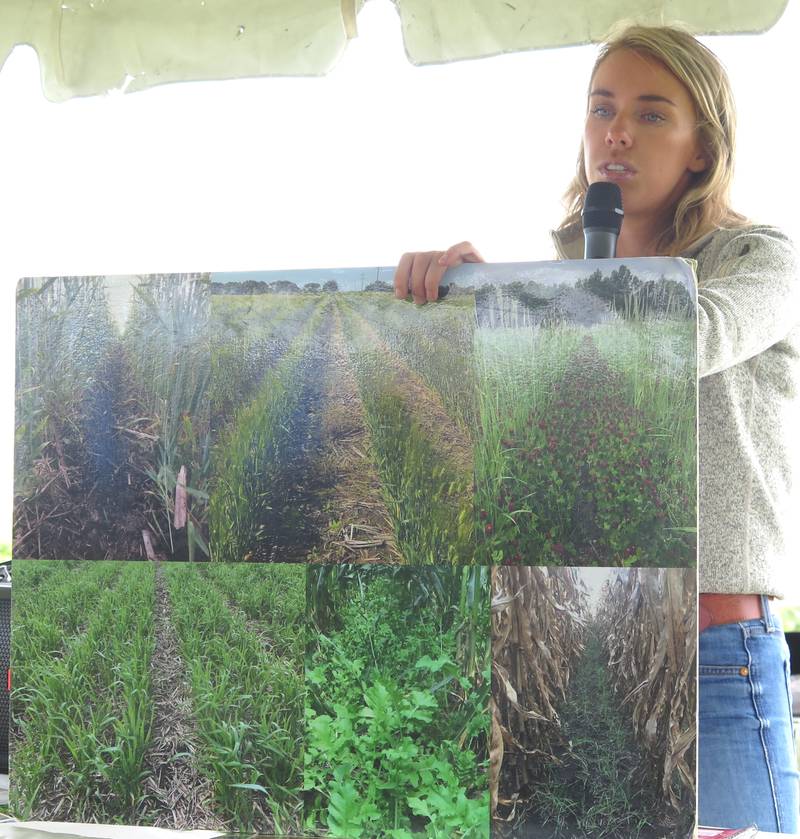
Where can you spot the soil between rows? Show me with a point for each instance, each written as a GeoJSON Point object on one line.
{"type": "Point", "coordinates": [177, 790]}
{"type": "Point", "coordinates": [363, 530]}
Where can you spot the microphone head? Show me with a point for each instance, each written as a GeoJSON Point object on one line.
{"type": "Point", "coordinates": [602, 207]}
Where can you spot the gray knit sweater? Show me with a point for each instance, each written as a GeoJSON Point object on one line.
{"type": "Point", "coordinates": [749, 368]}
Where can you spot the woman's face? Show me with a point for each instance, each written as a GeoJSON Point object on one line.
{"type": "Point", "coordinates": [640, 133]}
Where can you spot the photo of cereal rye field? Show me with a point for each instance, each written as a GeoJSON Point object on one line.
{"type": "Point", "coordinates": [112, 424]}
{"type": "Point", "coordinates": [594, 690]}
{"type": "Point", "coordinates": [587, 414]}
{"type": "Point", "coordinates": [397, 707]}
{"type": "Point", "coordinates": [161, 694]}
{"type": "Point", "coordinates": [340, 425]}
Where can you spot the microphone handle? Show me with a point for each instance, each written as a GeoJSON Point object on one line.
{"type": "Point", "coordinates": [599, 243]}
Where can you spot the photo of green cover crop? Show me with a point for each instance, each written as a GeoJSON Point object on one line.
{"type": "Point", "coordinates": [111, 433]}
{"type": "Point", "coordinates": [341, 422]}
{"type": "Point", "coordinates": [586, 379]}
{"type": "Point", "coordinates": [162, 694]}
{"type": "Point", "coordinates": [397, 709]}
{"type": "Point", "coordinates": [544, 413]}
{"type": "Point", "coordinates": [594, 690]}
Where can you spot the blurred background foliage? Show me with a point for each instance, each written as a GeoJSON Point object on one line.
{"type": "Point", "coordinates": [790, 616]}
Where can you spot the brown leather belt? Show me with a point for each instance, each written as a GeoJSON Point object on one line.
{"type": "Point", "coordinates": [728, 608]}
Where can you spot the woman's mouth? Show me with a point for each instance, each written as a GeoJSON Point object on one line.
{"type": "Point", "coordinates": [617, 171]}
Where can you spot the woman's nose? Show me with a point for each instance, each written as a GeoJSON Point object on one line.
{"type": "Point", "coordinates": [618, 135]}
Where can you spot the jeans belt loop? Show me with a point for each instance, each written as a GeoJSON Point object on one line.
{"type": "Point", "coordinates": [769, 619]}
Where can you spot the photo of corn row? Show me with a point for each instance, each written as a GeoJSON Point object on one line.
{"type": "Point", "coordinates": [593, 702]}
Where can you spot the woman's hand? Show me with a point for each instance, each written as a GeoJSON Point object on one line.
{"type": "Point", "coordinates": [419, 274]}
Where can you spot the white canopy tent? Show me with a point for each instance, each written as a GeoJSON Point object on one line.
{"type": "Point", "coordinates": [88, 47]}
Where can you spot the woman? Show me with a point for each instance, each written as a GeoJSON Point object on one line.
{"type": "Point", "coordinates": [660, 122]}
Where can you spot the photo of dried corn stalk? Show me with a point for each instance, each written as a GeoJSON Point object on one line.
{"type": "Point", "coordinates": [593, 703]}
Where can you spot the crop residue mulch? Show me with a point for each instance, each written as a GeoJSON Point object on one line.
{"type": "Point", "coordinates": [364, 529]}
{"type": "Point", "coordinates": [178, 792]}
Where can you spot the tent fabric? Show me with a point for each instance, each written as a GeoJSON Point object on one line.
{"type": "Point", "coordinates": [437, 31]}
{"type": "Point", "coordinates": [87, 47]}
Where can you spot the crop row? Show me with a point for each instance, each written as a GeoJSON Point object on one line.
{"type": "Point", "coordinates": [575, 473]}
{"type": "Point", "coordinates": [83, 702]}
{"type": "Point", "coordinates": [249, 336]}
{"type": "Point", "coordinates": [37, 575]}
{"type": "Point", "coordinates": [52, 612]}
{"type": "Point", "coordinates": [247, 703]}
{"type": "Point", "coordinates": [251, 457]}
{"type": "Point", "coordinates": [427, 494]}
{"type": "Point", "coordinates": [434, 341]}
{"type": "Point", "coordinates": [657, 378]}
{"type": "Point", "coordinates": [273, 597]}
{"type": "Point", "coordinates": [236, 317]}
{"type": "Point", "coordinates": [84, 719]}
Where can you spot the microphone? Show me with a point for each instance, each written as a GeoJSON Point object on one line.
{"type": "Point", "coordinates": [602, 220]}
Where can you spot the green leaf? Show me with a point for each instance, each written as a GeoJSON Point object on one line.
{"type": "Point", "coordinates": [194, 534]}
{"type": "Point", "coordinates": [419, 807]}
{"type": "Point", "coordinates": [344, 818]}
{"type": "Point", "coordinates": [255, 787]}
{"type": "Point", "coordinates": [378, 701]}
{"type": "Point", "coordinates": [427, 663]}
{"type": "Point", "coordinates": [322, 735]}
{"type": "Point", "coordinates": [423, 699]}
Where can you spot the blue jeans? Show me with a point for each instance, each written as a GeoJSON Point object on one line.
{"type": "Point", "coordinates": [747, 766]}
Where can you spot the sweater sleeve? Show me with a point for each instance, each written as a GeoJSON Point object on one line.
{"type": "Point", "coordinates": [748, 298]}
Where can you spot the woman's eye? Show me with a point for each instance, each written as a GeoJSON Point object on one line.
{"type": "Point", "coordinates": [600, 111]}
{"type": "Point", "coordinates": [652, 116]}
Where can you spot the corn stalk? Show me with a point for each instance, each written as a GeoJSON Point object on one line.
{"type": "Point", "coordinates": [649, 620]}
{"type": "Point", "coordinates": [167, 338]}
{"type": "Point", "coordinates": [538, 617]}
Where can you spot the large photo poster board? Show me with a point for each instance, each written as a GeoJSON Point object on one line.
{"type": "Point", "coordinates": [257, 524]}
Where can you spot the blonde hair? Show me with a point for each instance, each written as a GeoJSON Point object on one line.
{"type": "Point", "coordinates": [705, 205]}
